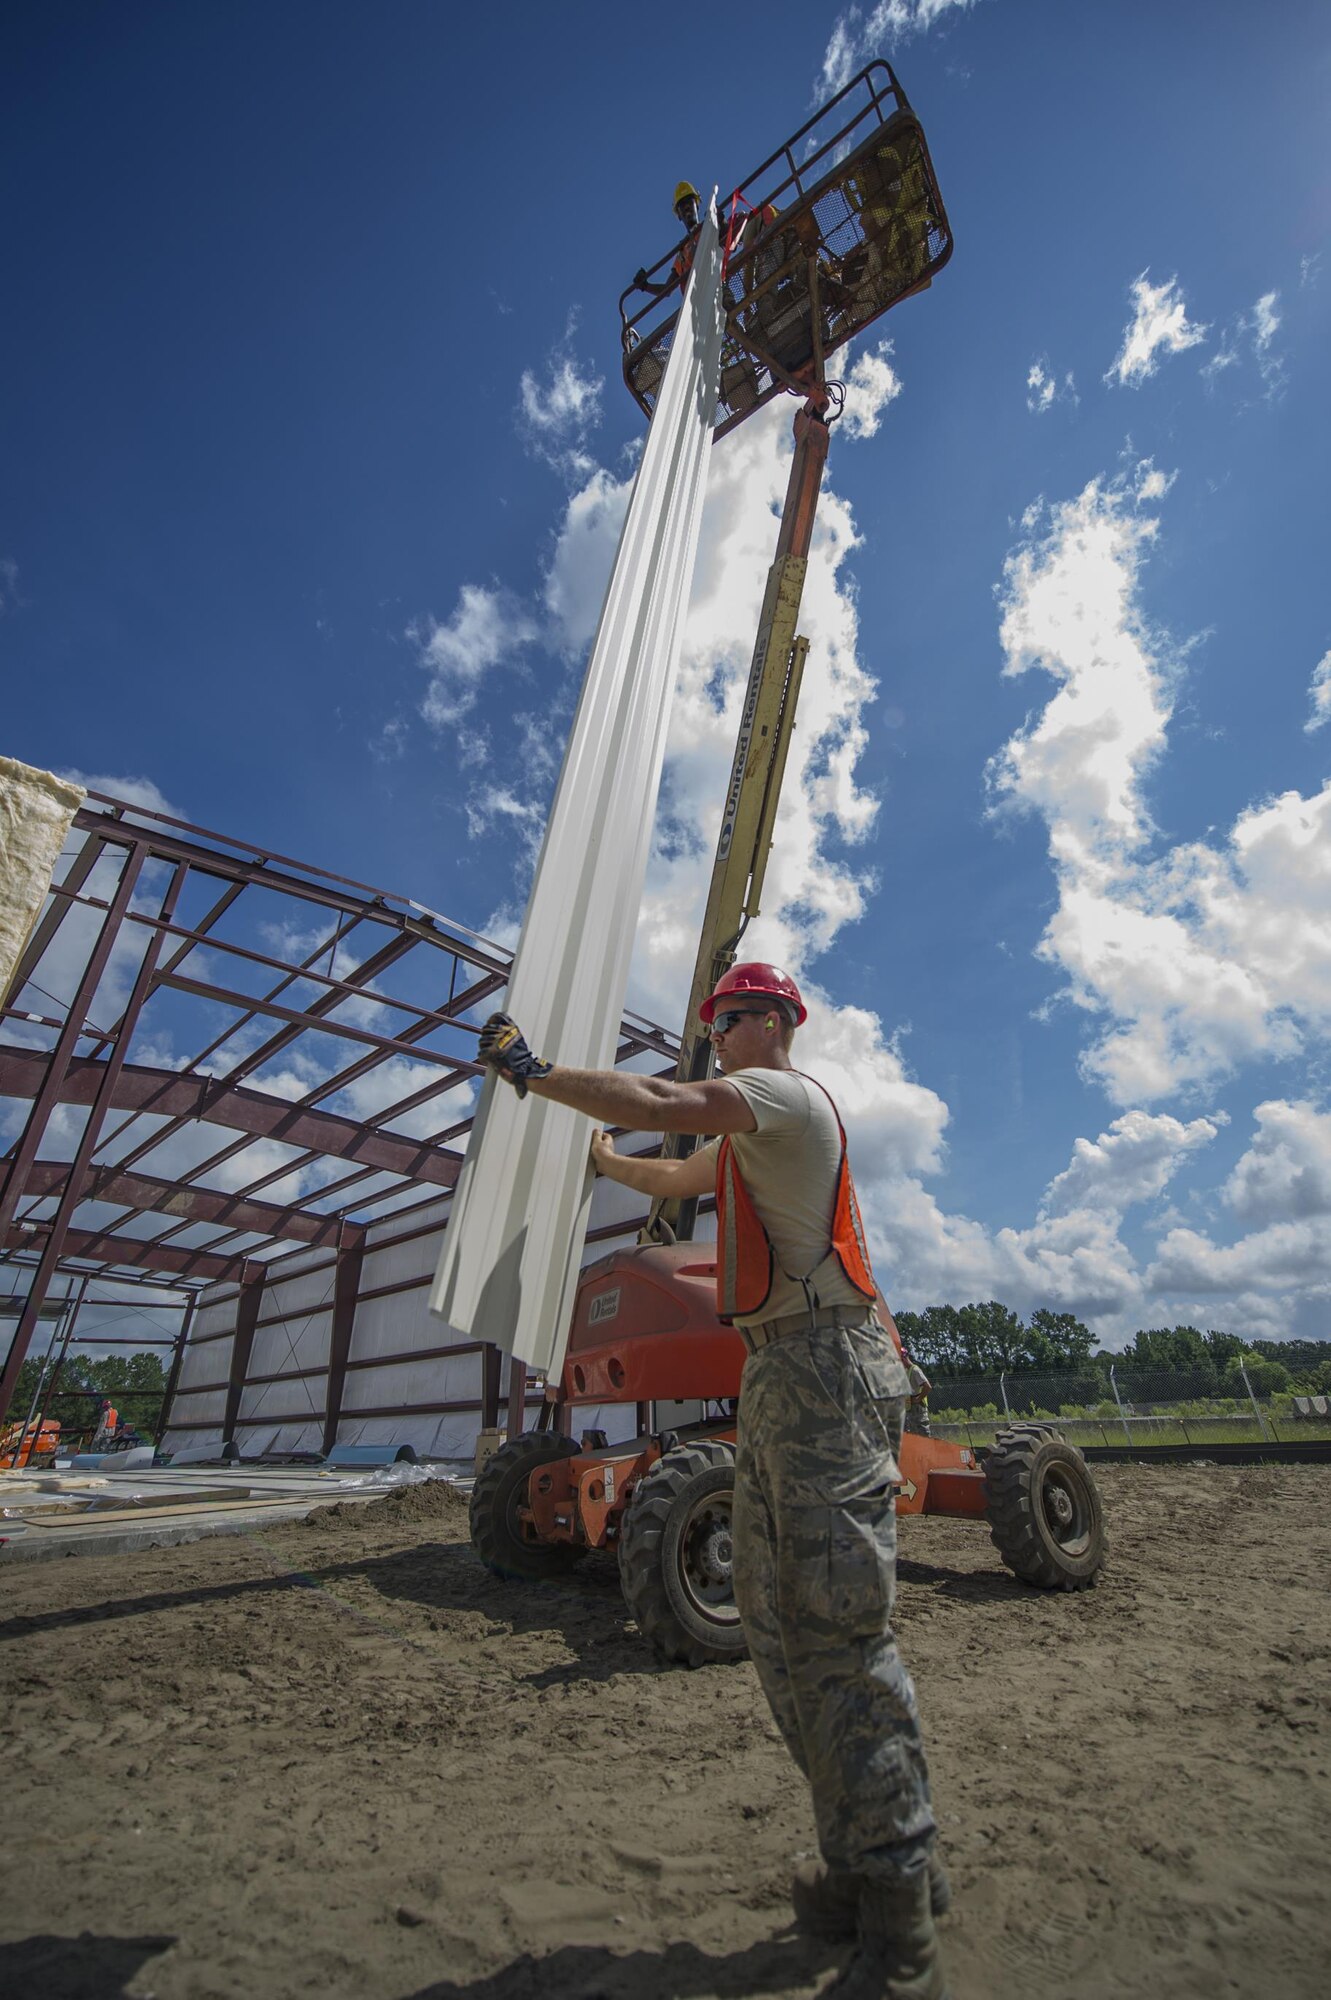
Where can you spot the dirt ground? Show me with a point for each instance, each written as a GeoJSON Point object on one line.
{"type": "Point", "coordinates": [342, 1759]}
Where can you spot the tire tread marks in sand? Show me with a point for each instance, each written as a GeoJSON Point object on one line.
{"type": "Point", "coordinates": [1045, 1516]}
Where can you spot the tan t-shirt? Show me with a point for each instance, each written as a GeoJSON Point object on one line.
{"type": "Point", "coordinates": [789, 1166]}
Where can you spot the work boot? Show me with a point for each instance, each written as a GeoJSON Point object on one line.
{"type": "Point", "coordinates": [898, 1958]}
{"type": "Point", "coordinates": [827, 1900]}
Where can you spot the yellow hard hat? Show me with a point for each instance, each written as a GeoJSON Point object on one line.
{"type": "Point", "coordinates": [683, 192]}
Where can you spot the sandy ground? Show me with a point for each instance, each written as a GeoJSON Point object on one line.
{"type": "Point", "coordinates": [342, 1759]}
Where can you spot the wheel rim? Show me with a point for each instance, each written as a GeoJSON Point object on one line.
{"type": "Point", "coordinates": [519, 1496]}
{"type": "Point", "coordinates": [706, 1559]}
{"type": "Point", "coordinates": [1065, 1510]}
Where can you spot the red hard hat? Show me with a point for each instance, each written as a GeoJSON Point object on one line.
{"type": "Point", "coordinates": [767, 982]}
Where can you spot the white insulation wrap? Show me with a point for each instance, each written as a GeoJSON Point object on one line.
{"type": "Point", "coordinates": [511, 1253]}
{"type": "Point", "coordinates": [35, 812]}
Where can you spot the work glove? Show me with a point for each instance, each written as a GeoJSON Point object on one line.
{"type": "Point", "coordinates": [641, 279]}
{"type": "Point", "coordinates": [504, 1048]}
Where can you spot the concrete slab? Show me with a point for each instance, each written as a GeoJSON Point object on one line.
{"type": "Point", "coordinates": [113, 1513]}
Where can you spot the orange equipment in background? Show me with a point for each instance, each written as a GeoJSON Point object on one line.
{"type": "Point", "coordinates": [20, 1444]}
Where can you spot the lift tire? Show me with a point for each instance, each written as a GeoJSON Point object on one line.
{"type": "Point", "coordinates": [675, 1556]}
{"type": "Point", "coordinates": [497, 1529]}
{"type": "Point", "coordinates": [1044, 1509]}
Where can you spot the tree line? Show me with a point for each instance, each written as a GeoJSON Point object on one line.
{"type": "Point", "coordinates": [952, 1342]}
{"type": "Point", "coordinates": [135, 1383]}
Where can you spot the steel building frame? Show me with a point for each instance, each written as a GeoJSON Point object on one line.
{"type": "Point", "coordinates": [318, 1100]}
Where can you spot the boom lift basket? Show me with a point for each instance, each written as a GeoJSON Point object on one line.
{"type": "Point", "coordinates": [859, 224]}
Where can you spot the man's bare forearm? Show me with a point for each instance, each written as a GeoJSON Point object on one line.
{"type": "Point", "coordinates": [639, 1103]}
{"type": "Point", "coordinates": [645, 1176]}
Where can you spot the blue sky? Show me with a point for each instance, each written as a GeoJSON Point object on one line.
{"type": "Point", "coordinates": [314, 451]}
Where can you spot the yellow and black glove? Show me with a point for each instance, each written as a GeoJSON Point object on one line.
{"type": "Point", "coordinates": [504, 1048]}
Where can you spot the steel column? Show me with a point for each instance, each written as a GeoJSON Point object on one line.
{"type": "Point", "coordinates": [242, 1344]}
{"type": "Point", "coordinates": [346, 1290]}
{"type": "Point", "coordinates": [177, 1361]}
{"type": "Point", "coordinates": [517, 1397]}
{"type": "Point", "coordinates": [490, 1364]}
{"type": "Point", "coordinates": [49, 1397]}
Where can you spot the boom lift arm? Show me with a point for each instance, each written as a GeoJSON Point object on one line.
{"type": "Point", "coordinates": [836, 227]}
{"type": "Point", "coordinates": [767, 722]}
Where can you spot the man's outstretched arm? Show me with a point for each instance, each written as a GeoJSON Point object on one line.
{"type": "Point", "coordinates": [615, 1097]}
{"type": "Point", "coordinates": [647, 1103]}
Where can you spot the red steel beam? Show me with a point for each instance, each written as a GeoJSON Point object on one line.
{"type": "Point", "coordinates": [323, 888]}
{"type": "Point", "coordinates": [45, 1097]}
{"type": "Point", "coordinates": [80, 868]}
{"type": "Point", "coordinates": [459, 1004]}
{"type": "Point", "coordinates": [58, 1227]}
{"type": "Point", "coordinates": [144, 1192]}
{"type": "Point", "coordinates": [137, 1251]}
{"type": "Point", "coordinates": [174, 1093]}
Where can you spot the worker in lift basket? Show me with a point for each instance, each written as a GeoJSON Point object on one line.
{"type": "Point", "coordinates": [688, 213]}
{"type": "Point", "coordinates": [821, 1410]}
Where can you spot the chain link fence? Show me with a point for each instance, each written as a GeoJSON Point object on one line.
{"type": "Point", "coordinates": [1123, 1405]}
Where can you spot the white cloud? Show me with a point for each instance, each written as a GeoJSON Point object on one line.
{"type": "Point", "coordinates": [1043, 388]}
{"type": "Point", "coordinates": [1255, 332]}
{"type": "Point", "coordinates": [487, 629]}
{"type": "Point", "coordinates": [1212, 953]}
{"type": "Point", "coordinates": [1068, 609]}
{"type": "Point", "coordinates": [1160, 324]}
{"type": "Point", "coordinates": [1273, 1282]}
{"type": "Point", "coordinates": [489, 805]}
{"type": "Point", "coordinates": [391, 741]}
{"type": "Point", "coordinates": [557, 415]}
{"type": "Point", "coordinates": [856, 38]}
{"type": "Point", "coordinates": [1283, 1265]}
{"type": "Point", "coordinates": [871, 385]}
{"type": "Point", "coordinates": [1319, 693]}
{"type": "Point", "coordinates": [588, 537]}
{"type": "Point", "coordinates": [1265, 320]}
{"type": "Point", "coordinates": [1132, 1162]}
{"type": "Point", "coordinates": [141, 792]}
{"type": "Point", "coordinates": [1286, 1172]}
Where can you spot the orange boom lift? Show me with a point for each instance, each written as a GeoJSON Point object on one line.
{"type": "Point", "coordinates": [840, 224]}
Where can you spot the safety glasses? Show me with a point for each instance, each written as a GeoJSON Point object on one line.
{"type": "Point", "coordinates": [723, 1023]}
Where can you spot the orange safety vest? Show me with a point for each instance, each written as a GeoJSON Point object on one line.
{"type": "Point", "coordinates": [745, 1259]}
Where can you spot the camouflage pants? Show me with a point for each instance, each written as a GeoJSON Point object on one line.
{"type": "Point", "coordinates": [815, 1580]}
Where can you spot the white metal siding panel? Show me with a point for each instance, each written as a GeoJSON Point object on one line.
{"type": "Point", "coordinates": [447, 1379]}
{"type": "Point", "coordinates": [302, 1293]}
{"type": "Point", "coordinates": [273, 1401]}
{"type": "Point", "coordinates": [297, 1343]}
{"type": "Point", "coordinates": [511, 1255]}
{"type": "Point", "coordinates": [397, 1261]}
{"type": "Point", "coordinates": [209, 1363]}
{"type": "Point", "coordinates": [434, 1215]}
{"type": "Point", "coordinates": [400, 1324]}
{"type": "Point", "coordinates": [215, 1310]}
{"type": "Point", "coordinates": [204, 1409]}
{"type": "Point", "coordinates": [281, 1438]}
